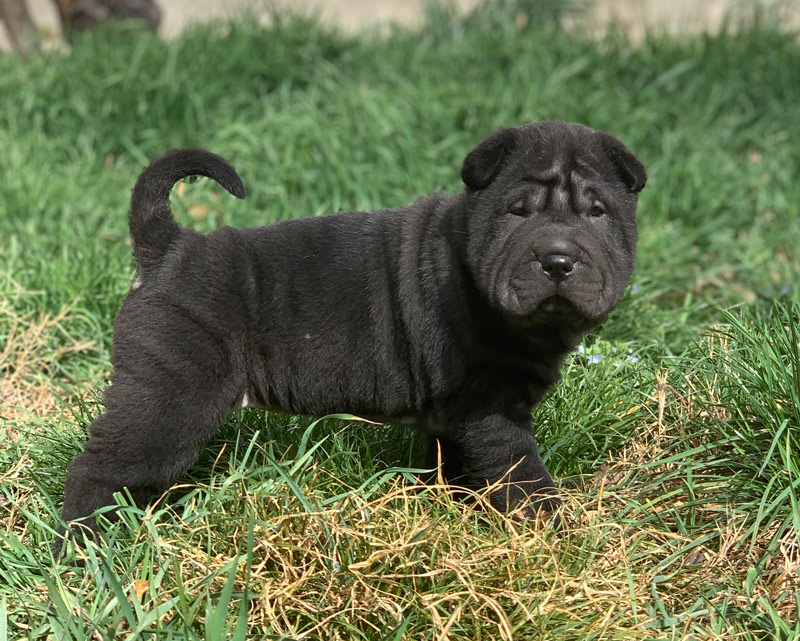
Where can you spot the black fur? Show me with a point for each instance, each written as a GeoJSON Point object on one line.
{"type": "Point", "coordinates": [452, 314]}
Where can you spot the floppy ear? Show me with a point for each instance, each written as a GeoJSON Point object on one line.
{"type": "Point", "coordinates": [630, 169]}
{"type": "Point", "coordinates": [482, 163]}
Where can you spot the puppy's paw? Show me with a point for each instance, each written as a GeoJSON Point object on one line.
{"type": "Point", "coordinates": [541, 507]}
{"type": "Point", "coordinates": [76, 533]}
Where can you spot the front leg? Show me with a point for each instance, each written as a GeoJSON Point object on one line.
{"type": "Point", "coordinates": [498, 448]}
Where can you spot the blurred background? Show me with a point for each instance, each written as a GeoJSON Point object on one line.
{"type": "Point", "coordinates": [634, 16]}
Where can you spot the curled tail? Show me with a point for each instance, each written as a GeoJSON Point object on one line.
{"type": "Point", "coordinates": [153, 228]}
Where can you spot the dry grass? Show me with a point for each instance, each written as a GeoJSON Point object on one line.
{"type": "Point", "coordinates": [413, 556]}
{"type": "Point", "coordinates": [33, 344]}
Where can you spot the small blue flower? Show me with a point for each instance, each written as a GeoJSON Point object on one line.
{"type": "Point", "coordinates": [595, 358]}
{"type": "Point", "coordinates": [581, 349]}
{"type": "Point", "coordinates": [785, 289]}
{"type": "Point", "coordinates": [635, 288]}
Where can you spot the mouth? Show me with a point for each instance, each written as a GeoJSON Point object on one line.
{"type": "Point", "coordinates": [558, 311]}
{"type": "Point", "coordinates": [555, 308]}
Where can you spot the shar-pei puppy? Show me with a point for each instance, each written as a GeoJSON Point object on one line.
{"type": "Point", "coordinates": [452, 314]}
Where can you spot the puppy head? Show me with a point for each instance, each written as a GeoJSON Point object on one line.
{"type": "Point", "coordinates": [552, 222]}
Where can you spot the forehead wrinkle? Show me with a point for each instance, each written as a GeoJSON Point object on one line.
{"type": "Point", "coordinates": [550, 169]}
{"type": "Point", "coordinates": [581, 182]}
{"type": "Point", "coordinates": [569, 177]}
{"type": "Point", "coordinates": [584, 167]}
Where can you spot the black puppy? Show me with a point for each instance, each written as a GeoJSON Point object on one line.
{"type": "Point", "coordinates": [452, 314]}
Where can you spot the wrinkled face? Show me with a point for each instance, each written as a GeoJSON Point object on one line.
{"type": "Point", "coordinates": [552, 222]}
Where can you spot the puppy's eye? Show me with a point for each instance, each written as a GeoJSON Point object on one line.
{"type": "Point", "coordinates": [598, 209]}
{"type": "Point", "coordinates": [517, 208]}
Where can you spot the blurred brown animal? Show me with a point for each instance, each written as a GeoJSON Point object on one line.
{"type": "Point", "coordinates": [82, 15]}
{"type": "Point", "coordinates": [21, 30]}
{"type": "Point", "coordinates": [75, 15]}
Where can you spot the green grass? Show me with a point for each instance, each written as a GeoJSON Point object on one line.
{"type": "Point", "coordinates": [677, 451]}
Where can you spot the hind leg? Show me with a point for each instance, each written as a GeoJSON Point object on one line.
{"type": "Point", "coordinates": [153, 429]}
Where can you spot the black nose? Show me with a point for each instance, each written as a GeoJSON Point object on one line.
{"type": "Point", "coordinates": [557, 266]}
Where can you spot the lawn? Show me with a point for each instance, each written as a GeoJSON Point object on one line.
{"type": "Point", "coordinates": [675, 434]}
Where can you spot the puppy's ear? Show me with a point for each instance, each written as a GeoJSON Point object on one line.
{"type": "Point", "coordinates": [630, 169]}
{"type": "Point", "coordinates": [484, 162]}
